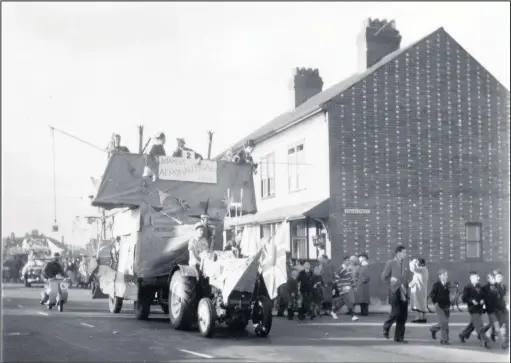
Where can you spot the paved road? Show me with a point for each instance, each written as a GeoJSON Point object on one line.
{"type": "Point", "coordinates": [86, 332]}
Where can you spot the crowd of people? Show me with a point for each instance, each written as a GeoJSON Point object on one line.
{"type": "Point", "coordinates": [324, 290]}
{"type": "Point", "coordinates": [16, 268]}
{"type": "Point", "coordinates": [77, 270]}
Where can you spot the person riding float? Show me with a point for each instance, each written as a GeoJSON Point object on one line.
{"type": "Point", "coordinates": [185, 152]}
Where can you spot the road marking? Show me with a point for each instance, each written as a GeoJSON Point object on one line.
{"type": "Point", "coordinates": [197, 354]}
{"type": "Point", "coordinates": [85, 324]}
{"type": "Point", "coordinates": [68, 342]}
{"type": "Point", "coordinates": [367, 339]}
{"type": "Point", "coordinates": [361, 323]}
{"type": "Point", "coordinates": [41, 313]}
{"type": "Point", "coordinates": [16, 334]}
{"type": "Point", "coordinates": [20, 306]}
{"type": "Point", "coordinates": [9, 300]}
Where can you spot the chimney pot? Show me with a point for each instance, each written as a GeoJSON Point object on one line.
{"type": "Point", "coordinates": [378, 39]}
{"type": "Point", "coordinates": [307, 83]}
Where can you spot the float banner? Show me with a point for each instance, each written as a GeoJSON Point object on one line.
{"type": "Point", "coordinates": [125, 184]}
{"type": "Point", "coordinates": [189, 170]}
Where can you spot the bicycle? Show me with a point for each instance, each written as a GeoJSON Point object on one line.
{"type": "Point", "coordinates": [455, 297]}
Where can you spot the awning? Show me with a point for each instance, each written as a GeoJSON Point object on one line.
{"type": "Point", "coordinates": [315, 209]}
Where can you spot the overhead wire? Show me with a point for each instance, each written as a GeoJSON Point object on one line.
{"type": "Point", "coordinates": [78, 139]}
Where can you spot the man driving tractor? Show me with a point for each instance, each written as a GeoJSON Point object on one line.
{"type": "Point", "coordinates": [51, 270]}
{"type": "Point", "coordinates": [197, 245]}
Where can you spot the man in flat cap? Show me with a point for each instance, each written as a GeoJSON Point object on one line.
{"type": "Point", "coordinates": [185, 152]}
{"type": "Point", "coordinates": [197, 245]}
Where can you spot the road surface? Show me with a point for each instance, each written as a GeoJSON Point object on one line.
{"type": "Point", "coordinates": [87, 332]}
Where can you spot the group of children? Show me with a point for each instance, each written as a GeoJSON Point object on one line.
{"type": "Point", "coordinates": [319, 291]}
{"type": "Point", "coordinates": [489, 299]}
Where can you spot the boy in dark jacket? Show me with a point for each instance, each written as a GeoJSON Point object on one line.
{"type": "Point", "coordinates": [292, 290]}
{"type": "Point", "coordinates": [473, 297]}
{"type": "Point", "coordinates": [442, 300]}
{"type": "Point", "coordinates": [306, 284]}
{"type": "Point", "coordinates": [502, 311]}
{"type": "Point", "coordinates": [495, 307]}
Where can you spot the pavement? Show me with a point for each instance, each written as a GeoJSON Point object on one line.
{"type": "Point", "coordinates": [85, 331]}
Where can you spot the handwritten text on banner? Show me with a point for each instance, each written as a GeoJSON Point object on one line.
{"type": "Point", "coordinates": [171, 168]}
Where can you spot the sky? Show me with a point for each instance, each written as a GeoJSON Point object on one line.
{"type": "Point", "coordinates": [92, 69]}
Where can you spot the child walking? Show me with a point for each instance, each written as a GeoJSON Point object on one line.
{"type": "Point", "coordinates": [473, 297]}
{"type": "Point", "coordinates": [345, 283]}
{"type": "Point", "coordinates": [494, 309]}
{"type": "Point", "coordinates": [441, 298]}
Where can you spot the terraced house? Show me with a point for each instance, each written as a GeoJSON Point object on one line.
{"type": "Point", "coordinates": [413, 150]}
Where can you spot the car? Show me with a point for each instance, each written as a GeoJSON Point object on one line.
{"type": "Point", "coordinates": [33, 273]}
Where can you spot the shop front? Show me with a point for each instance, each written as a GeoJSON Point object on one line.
{"type": "Point", "coordinates": [307, 222]}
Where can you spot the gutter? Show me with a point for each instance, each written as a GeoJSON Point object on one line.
{"type": "Point", "coordinates": [311, 113]}
{"type": "Point", "coordinates": [271, 133]}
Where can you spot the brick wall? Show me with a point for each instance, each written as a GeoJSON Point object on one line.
{"type": "Point", "coordinates": [423, 143]}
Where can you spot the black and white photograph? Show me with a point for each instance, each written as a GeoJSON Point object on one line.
{"type": "Point", "coordinates": [255, 181]}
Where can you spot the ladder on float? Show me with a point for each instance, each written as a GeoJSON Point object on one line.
{"type": "Point", "coordinates": [238, 209]}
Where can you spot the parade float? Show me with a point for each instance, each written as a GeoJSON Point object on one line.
{"type": "Point", "coordinates": [157, 204]}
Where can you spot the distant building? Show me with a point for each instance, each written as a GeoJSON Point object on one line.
{"type": "Point", "coordinates": [413, 150]}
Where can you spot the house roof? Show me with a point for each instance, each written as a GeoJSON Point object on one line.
{"type": "Point", "coordinates": [316, 102]}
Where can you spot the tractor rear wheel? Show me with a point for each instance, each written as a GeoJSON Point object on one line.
{"type": "Point", "coordinates": [182, 300]}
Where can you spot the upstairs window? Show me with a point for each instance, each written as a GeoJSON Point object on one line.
{"type": "Point", "coordinates": [473, 240]}
{"type": "Point", "coordinates": [296, 163]}
{"type": "Point", "coordinates": [268, 176]}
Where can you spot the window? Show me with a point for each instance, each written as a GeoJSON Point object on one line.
{"type": "Point", "coordinates": [473, 237]}
{"type": "Point", "coordinates": [296, 161]}
{"type": "Point", "coordinates": [268, 229]}
{"type": "Point", "coordinates": [268, 176]}
{"type": "Point", "coordinates": [299, 242]}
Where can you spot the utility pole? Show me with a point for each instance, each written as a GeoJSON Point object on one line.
{"type": "Point", "coordinates": [140, 138]}
{"type": "Point", "coordinates": [210, 134]}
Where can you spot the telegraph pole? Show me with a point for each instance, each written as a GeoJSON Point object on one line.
{"type": "Point", "coordinates": [140, 138]}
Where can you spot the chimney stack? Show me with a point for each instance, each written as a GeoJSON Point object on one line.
{"type": "Point", "coordinates": [308, 83]}
{"type": "Point", "coordinates": [378, 39]}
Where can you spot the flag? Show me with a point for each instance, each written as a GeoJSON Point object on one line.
{"type": "Point", "coordinates": [53, 247]}
{"type": "Point", "coordinates": [273, 260]}
{"type": "Point", "coordinates": [162, 196]}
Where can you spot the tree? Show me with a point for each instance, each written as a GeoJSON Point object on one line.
{"type": "Point", "coordinates": [34, 233]}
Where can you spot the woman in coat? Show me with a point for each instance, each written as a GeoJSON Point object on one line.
{"type": "Point", "coordinates": [419, 289]}
{"type": "Point", "coordinates": [362, 295]}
